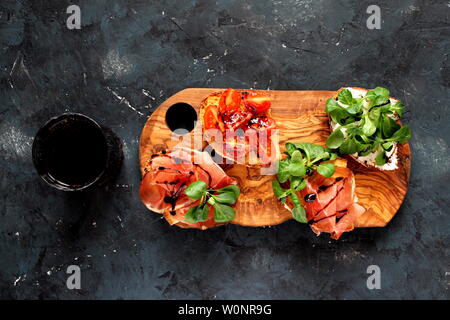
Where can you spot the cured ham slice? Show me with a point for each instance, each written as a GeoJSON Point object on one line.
{"type": "Point", "coordinates": [163, 184]}
{"type": "Point", "coordinates": [330, 203]}
{"type": "Point", "coordinates": [177, 218]}
{"type": "Point", "coordinates": [168, 175]}
{"type": "Point", "coordinates": [346, 223]}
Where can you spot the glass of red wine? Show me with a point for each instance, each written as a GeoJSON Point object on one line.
{"type": "Point", "coordinates": [73, 152]}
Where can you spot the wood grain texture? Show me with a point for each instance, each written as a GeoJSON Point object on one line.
{"type": "Point", "coordinates": [300, 116]}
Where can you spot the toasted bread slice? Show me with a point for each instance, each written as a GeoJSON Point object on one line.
{"type": "Point", "coordinates": [250, 160]}
{"type": "Point", "coordinates": [369, 160]}
{"type": "Point", "coordinates": [185, 157]}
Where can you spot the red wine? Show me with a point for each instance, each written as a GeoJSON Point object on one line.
{"type": "Point", "coordinates": [72, 152]}
{"type": "Point", "coordinates": [76, 152]}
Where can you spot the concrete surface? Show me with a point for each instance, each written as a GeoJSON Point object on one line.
{"type": "Point", "coordinates": [128, 57]}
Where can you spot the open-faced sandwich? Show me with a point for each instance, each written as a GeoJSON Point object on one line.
{"type": "Point", "coordinates": [189, 189]}
{"type": "Point", "coordinates": [366, 125]}
{"type": "Point", "coordinates": [238, 125]}
{"type": "Point", "coordinates": [318, 189]}
{"type": "Point", "coordinates": [312, 184]}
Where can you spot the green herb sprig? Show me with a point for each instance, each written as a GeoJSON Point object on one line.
{"type": "Point", "coordinates": [220, 200]}
{"type": "Point", "coordinates": [368, 122]}
{"type": "Point", "coordinates": [303, 159]}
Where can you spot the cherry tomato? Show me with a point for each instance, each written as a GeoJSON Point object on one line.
{"type": "Point", "coordinates": [211, 119]}
{"type": "Point", "coordinates": [257, 102]}
{"type": "Point", "coordinates": [262, 122]}
{"type": "Point", "coordinates": [235, 120]}
{"type": "Point", "coordinates": [230, 100]}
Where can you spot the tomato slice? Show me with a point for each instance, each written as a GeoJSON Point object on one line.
{"type": "Point", "coordinates": [245, 111]}
{"type": "Point", "coordinates": [257, 102]}
{"type": "Point", "coordinates": [211, 119]}
{"type": "Point", "coordinates": [262, 122]}
{"type": "Point", "coordinates": [235, 120]}
{"type": "Point", "coordinates": [230, 100]}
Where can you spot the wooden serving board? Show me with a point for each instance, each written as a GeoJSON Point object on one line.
{"type": "Point", "coordinates": [300, 116]}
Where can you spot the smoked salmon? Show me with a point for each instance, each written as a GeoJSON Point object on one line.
{"type": "Point", "coordinates": [168, 175]}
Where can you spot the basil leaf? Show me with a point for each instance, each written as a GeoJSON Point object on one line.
{"type": "Point", "coordinates": [354, 108]}
{"type": "Point", "coordinates": [387, 146]}
{"type": "Point", "coordinates": [190, 216]}
{"type": "Point", "coordinates": [196, 190]}
{"type": "Point", "coordinates": [290, 148]}
{"type": "Point", "coordinates": [377, 96]}
{"type": "Point", "coordinates": [326, 169]}
{"type": "Point", "coordinates": [297, 169]}
{"type": "Point", "coordinates": [339, 115]}
{"type": "Point", "coordinates": [380, 91]}
{"type": "Point", "coordinates": [228, 197]}
{"type": "Point", "coordinates": [388, 126]}
{"type": "Point", "coordinates": [323, 157]}
{"type": "Point", "coordinates": [223, 213]}
{"type": "Point", "coordinates": [365, 139]}
{"type": "Point", "coordinates": [299, 214]}
{"type": "Point", "coordinates": [377, 92]}
{"type": "Point", "coordinates": [332, 105]}
{"type": "Point", "coordinates": [295, 200]}
{"type": "Point", "coordinates": [235, 189]}
{"type": "Point", "coordinates": [401, 135]}
{"type": "Point", "coordinates": [368, 127]}
{"type": "Point", "coordinates": [374, 115]}
{"type": "Point", "coordinates": [398, 108]}
{"type": "Point", "coordinates": [301, 185]}
{"type": "Point", "coordinates": [385, 109]}
{"type": "Point", "coordinates": [381, 101]}
{"type": "Point", "coordinates": [381, 158]}
{"type": "Point", "coordinates": [354, 131]}
{"type": "Point", "coordinates": [297, 183]}
{"type": "Point", "coordinates": [197, 214]}
{"type": "Point", "coordinates": [278, 191]}
{"type": "Point", "coordinates": [283, 172]}
{"type": "Point", "coordinates": [348, 147]}
{"type": "Point", "coordinates": [311, 150]}
{"type": "Point", "coordinates": [345, 97]}
{"type": "Point", "coordinates": [358, 101]}
{"type": "Point", "coordinates": [335, 139]}
{"type": "Point", "coordinates": [296, 156]}
{"type": "Point", "coordinates": [360, 145]}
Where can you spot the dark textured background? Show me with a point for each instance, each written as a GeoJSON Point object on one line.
{"type": "Point", "coordinates": [130, 56]}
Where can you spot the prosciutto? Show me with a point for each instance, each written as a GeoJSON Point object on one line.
{"type": "Point", "coordinates": [331, 203]}
{"type": "Point", "coordinates": [168, 175]}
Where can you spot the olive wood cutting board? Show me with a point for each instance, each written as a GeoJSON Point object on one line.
{"type": "Point", "coordinates": [300, 116]}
